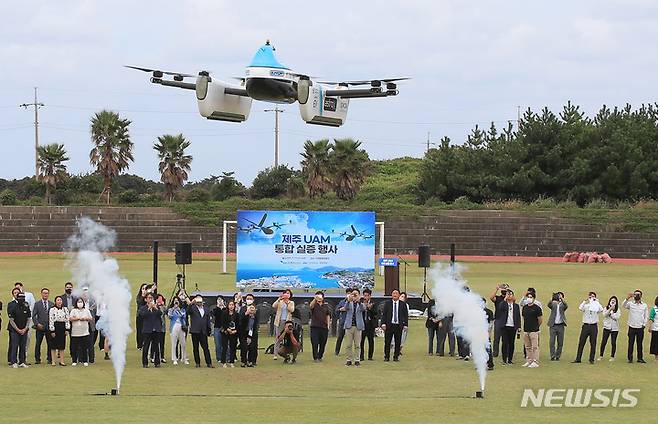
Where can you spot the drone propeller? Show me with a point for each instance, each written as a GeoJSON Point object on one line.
{"type": "Point", "coordinates": [158, 73]}
{"type": "Point", "coordinates": [365, 82]}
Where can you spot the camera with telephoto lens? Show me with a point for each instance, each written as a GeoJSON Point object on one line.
{"type": "Point", "coordinates": [556, 297]}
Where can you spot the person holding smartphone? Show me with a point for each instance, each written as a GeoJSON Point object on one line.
{"type": "Point", "coordinates": [591, 308]}
{"type": "Point", "coordinates": [320, 322]}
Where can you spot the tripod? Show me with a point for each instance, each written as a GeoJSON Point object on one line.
{"type": "Point", "coordinates": [180, 285]}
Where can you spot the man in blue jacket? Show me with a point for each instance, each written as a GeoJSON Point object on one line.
{"type": "Point", "coordinates": [354, 325]}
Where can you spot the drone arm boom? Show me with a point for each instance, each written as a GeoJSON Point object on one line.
{"type": "Point", "coordinates": [236, 91]}
{"type": "Point", "coordinates": [177, 84]}
{"type": "Point", "coordinates": [360, 93]}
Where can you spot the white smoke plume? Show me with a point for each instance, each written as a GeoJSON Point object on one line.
{"type": "Point", "coordinates": [93, 269]}
{"type": "Point", "coordinates": [470, 321]}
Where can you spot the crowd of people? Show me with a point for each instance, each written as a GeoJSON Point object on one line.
{"type": "Point", "coordinates": [73, 319]}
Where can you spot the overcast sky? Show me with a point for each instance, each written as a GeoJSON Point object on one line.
{"type": "Point", "coordinates": [471, 62]}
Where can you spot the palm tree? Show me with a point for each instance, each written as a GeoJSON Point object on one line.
{"type": "Point", "coordinates": [112, 151]}
{"type": "Point", "coordinates": [174, 163]}
{"type": "Point", "coordinates": [51, 168]}
{"type": "Point", "coordinates": [349, 167]}
{"type": "Point", "coordinates": [315, 167]}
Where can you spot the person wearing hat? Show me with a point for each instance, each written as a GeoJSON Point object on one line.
{"type": "Point", "coordinates": [199, 329]}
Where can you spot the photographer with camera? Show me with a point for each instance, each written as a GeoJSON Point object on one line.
{"type": "Point", "coordinates": [151, 325]}
{"type": "Point", "coordinates": [354, 325]}
{"type": "Point", "coordinates": [18, 312]}
{"type": "Point", "coordinates": [320, 321]}
{"type": "Point", "coordinates": [638, 315]}
{"type": "Point", "coordinates": [591, 308]}
{"type": "Point", "coordinates": [370, 321]}
{"type": "Point", "coordinates": [140, 300]}
{"type": "Point", "coordinates": [288, 342]}
{"type": "Point", "coordinates": [557, 323]}
{"type": "Point", "coordinates": [508, 322]}
{"type": "Point", "coordinates": [248, 333]}
{"type": "Point", "coordinates": [178, 332]}
{"type": "Point", "coordinates": [496, 299]}
{"type": "Point", "coordinates": [611, 315]}
{"type": "Point", "coordinates": [284, 307]}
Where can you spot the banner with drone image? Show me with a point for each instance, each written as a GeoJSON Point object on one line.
{"type": "Point", "coordinates": [305, 249]}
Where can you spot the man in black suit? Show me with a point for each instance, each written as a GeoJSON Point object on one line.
{"type": "Point", "coordinates": [40, 318]}
{"type": "Point", "coordinates": [199, 328]}
{"type": "Point", "coordinates": [370, 321]}
{"type": "Point", "coordinates": [151, 316]}
{"type": "Point", "coordinates": [508, 322]}
{"type": "Point", "coordinates": [394, 320]}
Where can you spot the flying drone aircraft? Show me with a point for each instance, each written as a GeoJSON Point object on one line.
{"type": "Point", "coordinates": [260, 226]}
{"type": "Point", "coordinates": [355, 234]}
{"type": "Point", "coordinates": [266, 79]}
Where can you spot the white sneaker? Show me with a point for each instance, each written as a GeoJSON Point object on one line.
{"type": "Point", "coordinates": [611, 359]}
{"type": "Point", "coordinates": [276, 358]}
{"type": "Point", "coordinates": [600, 358]}
{"type": "Point", "coordinates": [14, 365]}
{"type": "Point", "coordinates": [187, 362]}
{"type": "Point", "coordinates": [223, 365]}
{"type": "Point", "coordinates": [526, 364]}
{"type": "Point", "coordinates": [533, 365]}
{"type": "Point", "coordinates": [23, 366]}
{"type": "Point", "coordinates": [86, 364]}
{"type": "Point", "coordinates": [74, 364]}
{"type": "Point", "coordinates": [175, 362]}
{"type": "Point", "coordinates": [232, 365]}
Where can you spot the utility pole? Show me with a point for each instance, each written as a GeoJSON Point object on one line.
{"type": "Point", "coordinates": [428, 141]}
{"type": "Point", "coordinates": [276, 111]}
{"type": "Point", "coordinates": [36, 106]}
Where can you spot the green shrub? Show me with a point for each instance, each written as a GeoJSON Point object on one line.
{"type": "Point", "coordinates": [198, 195]}
{"type": "Point", "coordinates": [8, 198]}
{"type": "Point", "coordinates": [128, 196]}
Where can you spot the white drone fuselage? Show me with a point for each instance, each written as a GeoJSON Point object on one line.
{"type": "Point", "coordinates": [268, 80]}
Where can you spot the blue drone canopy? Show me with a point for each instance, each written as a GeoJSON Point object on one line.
{"type": "Point", "coordinates": [264, 58]}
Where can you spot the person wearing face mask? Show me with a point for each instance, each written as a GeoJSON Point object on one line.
{"type": "Point", "coordinates": [284, 307]}
{"type": "Point", "coordinates": [200, 330]}
{"type": "Point", "coordinates": [68, 302]}
{"type": "Point", "coordinates": [557, 324]}
{"type": "Point", "coordinates": [591, 308]}
{"type": "Point", "coordinates": [532, 318]}
{"type": "Point", "coordinates": [178, 332]}
{"type": "Point", "coordinates": [248, 333]}
{"type": "Point", "coordinates": [653, 329]}
{"type": "Point", "coordinates": [80, 318]}
{"type": "Point", "coordinates": [638, 314]}
{"type": "Point", "coordinates": [611, 315]}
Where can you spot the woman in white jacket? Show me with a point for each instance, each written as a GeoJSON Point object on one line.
{"type": "Point", "coordinates": [611, 315]}
{"type": "Point", "coordinates": [80, 318]}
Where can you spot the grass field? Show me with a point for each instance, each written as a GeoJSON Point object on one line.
{"type": "Point", "coordinates": [417, 389]}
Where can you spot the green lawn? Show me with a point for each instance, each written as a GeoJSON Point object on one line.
{"type": "Point", "coordinates": [417, 389]}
